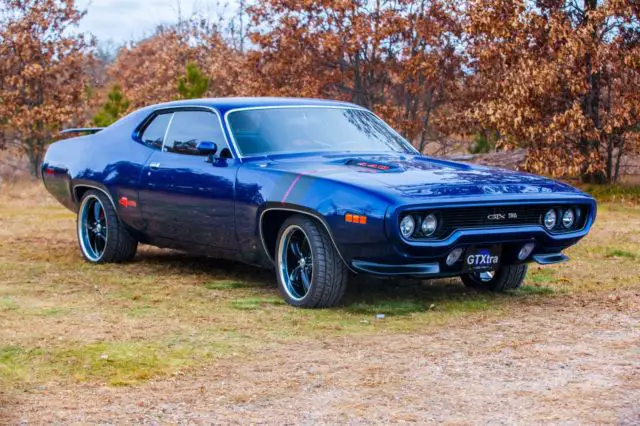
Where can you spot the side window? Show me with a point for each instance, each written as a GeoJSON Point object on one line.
{"type": "Point", "coordinates": [190, 127]}
{"type": "Point", "coordinates": [153, 135]}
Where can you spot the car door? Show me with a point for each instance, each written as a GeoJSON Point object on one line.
{"type": "Point", "coordinates": [186, 196]}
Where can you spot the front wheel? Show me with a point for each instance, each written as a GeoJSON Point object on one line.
{"type": "Point", "coordinates": [508, 277]}
{"type": "Point", "coordinates": [309, 269]}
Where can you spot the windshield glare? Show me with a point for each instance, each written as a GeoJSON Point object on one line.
{"type": "Point", "coordinates": [281, 130]}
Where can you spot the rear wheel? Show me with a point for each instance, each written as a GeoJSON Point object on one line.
{"type": "Point", "coordinates": [507, 277]}
{"type": "Point", "coordinates": [309, 270]}
{"type": "Point", "coordinates": [101, 235]}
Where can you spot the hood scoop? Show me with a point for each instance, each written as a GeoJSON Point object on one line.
{"type": "Point", "coordinates": [373, 166]}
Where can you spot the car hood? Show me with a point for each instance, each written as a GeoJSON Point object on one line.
{"type": "Point", "coordinates": [419, 177]}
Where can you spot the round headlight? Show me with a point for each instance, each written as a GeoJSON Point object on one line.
{"type": "Point", "coordinates": [550, 219]}
{"type": "Point", "coordinates": [429, 225]}
{"type": "Point", "coordinates": [568, 218]}
{"type": "Point", "coordinates": [407, 226]}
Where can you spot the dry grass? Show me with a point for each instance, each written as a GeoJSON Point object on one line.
{"type": "Point", "coordinates": [66, 321]}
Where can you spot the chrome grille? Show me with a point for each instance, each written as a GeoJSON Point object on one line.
{"type": "Point", "coordinates": [452, 219]}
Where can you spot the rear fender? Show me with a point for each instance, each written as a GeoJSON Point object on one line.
{"type": "Point", "coordinates": [57, 181]}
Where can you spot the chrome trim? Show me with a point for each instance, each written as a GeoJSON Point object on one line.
{"type": "Point", "coordinates": [383, 269]}
{"type": "Point", "coordinates": [232, 146]}
{"type": "Point", "coordinates": [264, 245]}
{"type": "Point", "coordinates": [90, 130]}
{"type": "Point", "coordinates": [407, 143]}
{"type": "Point", "coordinates": [493, 231]}
{"type": "Point", "coordinates": [73, 189]}
{"type": "Point", "coordinates": [166, 131]}
{"type": "Point", "coordinates": [355, 107]}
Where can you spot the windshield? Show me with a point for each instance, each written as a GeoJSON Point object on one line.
{"type": "Point", "coordinates": [304, 129]}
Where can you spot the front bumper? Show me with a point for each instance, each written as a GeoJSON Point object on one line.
{"type": "Point", "coordinates": [429, 260]}
{"type": "Point", "coordinates": [434, 269]}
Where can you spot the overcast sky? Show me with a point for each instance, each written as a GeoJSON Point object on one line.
{"type": "Point", "coordinates": [122, 20]}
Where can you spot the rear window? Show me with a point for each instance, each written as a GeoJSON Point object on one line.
{"type": "Point", "coordinates": [153, 135]}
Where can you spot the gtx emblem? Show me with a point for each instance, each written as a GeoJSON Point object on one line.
{"type": "Point", "coordinates": [502, 216]}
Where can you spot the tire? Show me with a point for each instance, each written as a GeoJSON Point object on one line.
{"type": "Point", "coordinates": [101, 236]}
{"type": "Point", "coordinates": [317, 260]}
{"type": "Point", "coordinates": [508, 277]}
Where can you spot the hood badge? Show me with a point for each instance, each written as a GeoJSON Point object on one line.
{"type": "Point", "coordinates": [502, 216]}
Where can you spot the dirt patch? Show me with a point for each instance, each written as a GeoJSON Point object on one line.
{"type": "Point", "coordinates": [567, 360]}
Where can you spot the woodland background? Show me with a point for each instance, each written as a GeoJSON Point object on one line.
{"type": "Point", "coordinates": [555, 79]}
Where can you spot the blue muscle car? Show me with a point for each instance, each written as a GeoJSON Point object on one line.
{"type": "Point", "coordinates": [316, 189]}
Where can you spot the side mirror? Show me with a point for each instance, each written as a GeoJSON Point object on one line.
{"type": "Point", "coordinates": [207, 148]}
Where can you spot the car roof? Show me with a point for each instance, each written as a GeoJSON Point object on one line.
{"type": "Point", "coordinates": [225, 104]}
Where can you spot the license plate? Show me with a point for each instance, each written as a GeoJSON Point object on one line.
{"type": "Point", "coordinates": [482, 258]}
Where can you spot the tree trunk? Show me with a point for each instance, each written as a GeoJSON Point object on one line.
{"type": "Point", "coordinates": [34, 151]}
{"type": "Point", "coordinates": [425, 120]}
{"type": "Point", "coordinates": [619, 159]}
{"type": "Point", "coordinates": [610, 141]}
{"type": "Point", "coordinates": [591, 105]}
{"type": "Point", "coordinates": [597, 176]}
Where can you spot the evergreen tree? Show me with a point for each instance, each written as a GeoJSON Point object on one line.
{"type": "Point", "coordinates": [115, 106]}
{"type": "Point", "coordinates": [193, 84]}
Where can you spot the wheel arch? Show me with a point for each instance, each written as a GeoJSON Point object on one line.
{"type": "Point", "coordinates": [276, 216]}
{"type": "Point", "coordinates": [80, 189]}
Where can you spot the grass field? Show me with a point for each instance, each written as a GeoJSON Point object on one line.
{"type": "Point", "coordinates": [67, 323]}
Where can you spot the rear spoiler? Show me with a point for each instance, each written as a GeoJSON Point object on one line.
{"type": "Point", "coordinates": [89, 130]}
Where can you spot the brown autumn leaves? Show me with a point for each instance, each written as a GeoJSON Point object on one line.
{"type": "Point", "coordinates": [558, 77]}
{"type": "Point", "coordinates": [42, 73]}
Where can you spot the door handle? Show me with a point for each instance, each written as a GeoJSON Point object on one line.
{"type": "Point", "coordinates": [154, 166]}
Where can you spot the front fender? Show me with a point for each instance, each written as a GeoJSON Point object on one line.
{"type": "Point", "coordinates": [337, 202]}
{"type": "Point", "coordinates": [328, 201]}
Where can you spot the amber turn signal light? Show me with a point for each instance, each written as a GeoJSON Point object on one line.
{"type": "Point", "coordinates": [355, 218]}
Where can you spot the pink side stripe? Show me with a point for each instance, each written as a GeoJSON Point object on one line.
{"type": "Point", "coordinates": [290, 188]}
